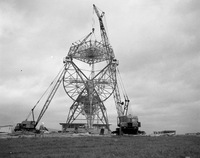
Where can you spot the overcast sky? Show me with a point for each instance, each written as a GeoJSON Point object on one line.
{"type": "Point", "coordinates": [157, 43]}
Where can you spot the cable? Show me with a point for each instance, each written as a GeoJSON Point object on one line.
{"type": "Point", "coordinates": [122, 85]}
{"type": "Point", "coordinates": [43, 95]}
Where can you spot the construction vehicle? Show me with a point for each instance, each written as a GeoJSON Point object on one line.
{"type": "Point", "coordinates": [27, 125]}
{"type": "Point", "coordinates": [127, 124]}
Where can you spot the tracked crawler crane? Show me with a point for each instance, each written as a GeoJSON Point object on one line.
{"type": "Point", "coordinates": [127, 124]}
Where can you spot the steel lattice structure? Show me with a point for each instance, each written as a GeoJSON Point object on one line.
{"type": "Point", "coordinates": [90, 88]}
{"type": "Point", "coordinates": [89, 78]}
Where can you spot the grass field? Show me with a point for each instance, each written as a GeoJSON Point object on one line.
{"type": "Point", "coordinates": [102, 147]}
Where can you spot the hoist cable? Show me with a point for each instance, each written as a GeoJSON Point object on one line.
{"type": "Point", "coordinates": [122, 85]}
{"type": "Point", "coordinates": [125, 108]}
{"type": "Point", "coordinates": [55, 79]}
{"type": "Point", "coordinates": [43, 95]}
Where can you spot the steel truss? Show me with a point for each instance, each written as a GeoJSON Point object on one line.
{"type": "Point", "coordinates": [91, 88]}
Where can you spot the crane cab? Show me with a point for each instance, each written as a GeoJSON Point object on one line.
{"type": "Point", "coordinates": [67, 59]}
{"type": "Point", "coordinates": [25, 125]}
{"type": "Point", "coordinates": [128, 124]}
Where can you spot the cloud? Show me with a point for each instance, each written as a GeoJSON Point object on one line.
{"type": "Point", "coordinates": [156, 43]}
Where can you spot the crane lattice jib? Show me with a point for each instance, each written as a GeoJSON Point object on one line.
{"type": "Point", "coordinates": [121, 107]}
{"type": "Point", "coordinates": [103, 33]}
{"type": "Point", "coordinates": [118, 103]}
{"type": "Point", "coordinates": [51, 95]}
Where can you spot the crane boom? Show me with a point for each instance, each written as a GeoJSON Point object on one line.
{"type": "Point", "coordinates": [121, 108]}
{"type": "Point", "coordinates": [74, 47]}
{"type": "Point", "coordinates": [31, 125]}
{"type": "Point", "coordinates": [127, 124]}
{"type": "Point", "coordinates": [118, 102]}
{"type": "Point", "coordinates": [103, 33]}
{"type": "Point", "coordinates": [51, 95]}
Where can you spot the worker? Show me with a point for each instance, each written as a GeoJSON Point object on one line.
{"type": "Point", "coordinates": [42, 129]}
{"type": "Point", "coordinates": [102, 131]}
{"type": "Point", "coordinates": [76, 129]}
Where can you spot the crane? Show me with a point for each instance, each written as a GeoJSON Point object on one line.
{"type": "Point", "coordinates": [128, 124]}
{"type": "Point", "coordinates": [27, 125]}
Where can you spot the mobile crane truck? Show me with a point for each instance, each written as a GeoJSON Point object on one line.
{"type": "Point", "coordinates": [27, 125]}
{"type": "Point", "coordinates": [127, 124]}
